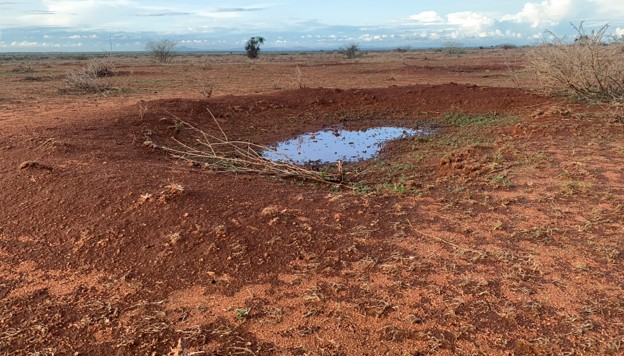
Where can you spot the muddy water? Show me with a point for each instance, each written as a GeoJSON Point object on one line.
{"type": "Point", "coordinates": [337, 145]}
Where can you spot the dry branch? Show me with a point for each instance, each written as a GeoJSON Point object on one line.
{"type": "Point", "coordinates": [220, 154]}
{"type": "Point", "coordinates": [590, 67]}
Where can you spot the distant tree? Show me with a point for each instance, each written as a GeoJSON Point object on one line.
{"type": "Point", "coordinates": [253, 46]}
{"type": "Point", "coordinates": [351, 51]}
{"type": "Point", "coordinates": [162, 50]}
{"type": "Point", "coordinates": [506, 46]}
{"type": "Point", "coordinates": [454, 48]}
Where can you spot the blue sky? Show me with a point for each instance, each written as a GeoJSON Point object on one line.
{"type": "Point", "coordinates": [92, 25]}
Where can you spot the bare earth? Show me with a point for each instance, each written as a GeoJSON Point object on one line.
{"type": "Point", "coordinates": [502, 236]}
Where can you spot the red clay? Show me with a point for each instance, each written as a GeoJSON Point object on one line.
{"type": "Point", "coordinates": [494, 239]}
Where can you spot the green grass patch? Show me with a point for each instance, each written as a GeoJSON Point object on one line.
{"type": "Point", "coordinates": [501, 181]}
{"type": "Point", "coordinates": [575, 187]}
{"type": "Point", "coordinates": [463, 119]}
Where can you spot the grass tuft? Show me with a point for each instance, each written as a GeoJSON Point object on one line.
{"type": "Point", "coordinates": [88, 78]}
{"type": "Point", "coordinates": [461, 119]}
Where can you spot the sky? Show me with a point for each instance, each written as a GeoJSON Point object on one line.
{"type": "Point", "coordinates": [126, 25]}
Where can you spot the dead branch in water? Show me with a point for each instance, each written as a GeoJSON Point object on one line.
{"type": "Point", "coordinates": [220, 154]}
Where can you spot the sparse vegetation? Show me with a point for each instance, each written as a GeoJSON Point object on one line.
{"type": "Point", "coordinates": [242, 313]}
{"type": "Point", "coordinates": [252, 47]}
{"type": "Point", "coordinates": [462, 119]}
{"type": "Point", "coordinates": [591, 67]}
{"type": "Point", "coordinates": [89, 77]}
{"type": "Point", "coordinates": [453, 48]}
{"type": "Point", "coordinates": [351, 51]}
{"type": "Point", "coordinates": [206, 90]}
{"type": "Point", "coordinates": [223, 154]}
{"type": "Point", "coordinates": [465, 241]}
{"type": "Point", "coordinates": [501, 181]}
{"type": "Point", "coordinates": [299, 77]}
{"type": "Point", "coordinates": [163, 50]}
{"type": "Point", "coordinates": [23, 68]}
{"type": "Point", "coordinates": [506, 46]}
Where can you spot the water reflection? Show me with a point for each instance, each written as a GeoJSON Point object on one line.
{"type": "Point", "coordinates": [337, 145]}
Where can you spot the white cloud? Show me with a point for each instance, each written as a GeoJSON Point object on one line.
{"type": "Point", "coordinates": [426, 17]}
{"type": "Point", "coordinates": [35, 44]}
{"type": "Point", "coordinates": [609, 8]}
{"type": "Point", "coordinates": [219, 15]}
{"type": "Point", "coordinates": [549, 12]}
{"type": "Point", "coordinates": [25, 44]}
{"type": "Point", "coordinates": [80, 13]}
{"type": "Point", "coordinates": [470, 22]}
{"type": "Point", "coordinates": [619, 31]}
{"type": "Point", "coordinates": [371, 37]}
{"type": "Point", "coordinates": [76, 37]}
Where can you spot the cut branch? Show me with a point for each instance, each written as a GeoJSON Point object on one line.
{"type": "Point", "coordinates": [219, 154]}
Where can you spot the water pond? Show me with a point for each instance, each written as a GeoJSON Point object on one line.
{"type": "Point", "coordinates": [328, 146]}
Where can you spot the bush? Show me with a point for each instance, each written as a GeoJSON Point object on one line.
{"type": "Point", "coordinates": [162, 50]}
{"type": "Point", "coordinates": [23, 68]}
{"type": "Point", "coordinates": [507, 46]}
{"type": "Point", "coordinates": [453, 48]}
{"type": "Point", "coordinates": [351, 51]}
{"type": "Point", "coordinates": [590, 68]}
{"type": "Point", "coordinates": [252, 47]}
{"type": "Point", "coordinates": [99, 69]}
{"type": "Point", "coordinates": [88, 79]}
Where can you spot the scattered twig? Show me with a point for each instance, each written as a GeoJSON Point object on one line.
{"type": "Point", "coordinates": [220, 154]}
{"type": "Point", "coordinates": [446, 242]}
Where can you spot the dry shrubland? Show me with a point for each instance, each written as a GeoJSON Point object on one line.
{"type": "Point", "coordinates": [591, 67]}
{"type": "Point", "coordinates": [88, 78]}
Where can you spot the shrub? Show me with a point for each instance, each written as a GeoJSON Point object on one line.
{"type": "Point", "coordinates": [23, 68]}
{"type": "Point", "coordinates": [87, 79]}
{"type": "Point", "coordinates": [99, 69]}
{"type": "Point", "coordinates": [351, 51]}
{"type": "Point", "coordinates": [507, 46]}
{"type": "Point", "coordinates": [589, 68]}
{"type": "Point", "coordinates": [453, 48]}
{"type": "Point", "coordinates": [162, 50]}
{"type": "Point", "coordinates": [252, 47]}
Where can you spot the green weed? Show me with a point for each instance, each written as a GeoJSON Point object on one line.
{"type": "Point", "coordinates": [462, 119]}
{"type": "Point", "coordinates": [501, 181]}
{"type": "Point", "coordinates": [574, 187]}
{"type": "Point", "coordinates": [178, 126]}
{"type": "Point", "coordinates": [422, 139]}
{"type": "Point", "coordinates": [361, 187]}
{"type": "Point", "coordinates": [392, 187]}
{"type": "Point", "coordinates": [242, 313]}
{"type": "Point", "coordinates": [403, 167]}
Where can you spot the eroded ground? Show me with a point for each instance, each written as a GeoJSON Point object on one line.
{"type": "Point", "coordinates": [500, 233]}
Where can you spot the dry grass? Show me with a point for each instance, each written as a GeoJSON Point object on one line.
{"type": "Point", "coordinates": [89, 77]}
{"type": "Point", "coordinates": [591, 67]}
{"type": "Point", "coordinates": [220, 154]}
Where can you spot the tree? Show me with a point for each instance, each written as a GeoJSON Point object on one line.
{"type": "Point", "coordinates": [253, 46]}
{"type": "Point", "coordinates": [162, 50]}
{"type": "Point", "coordinates": [351, 51]}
